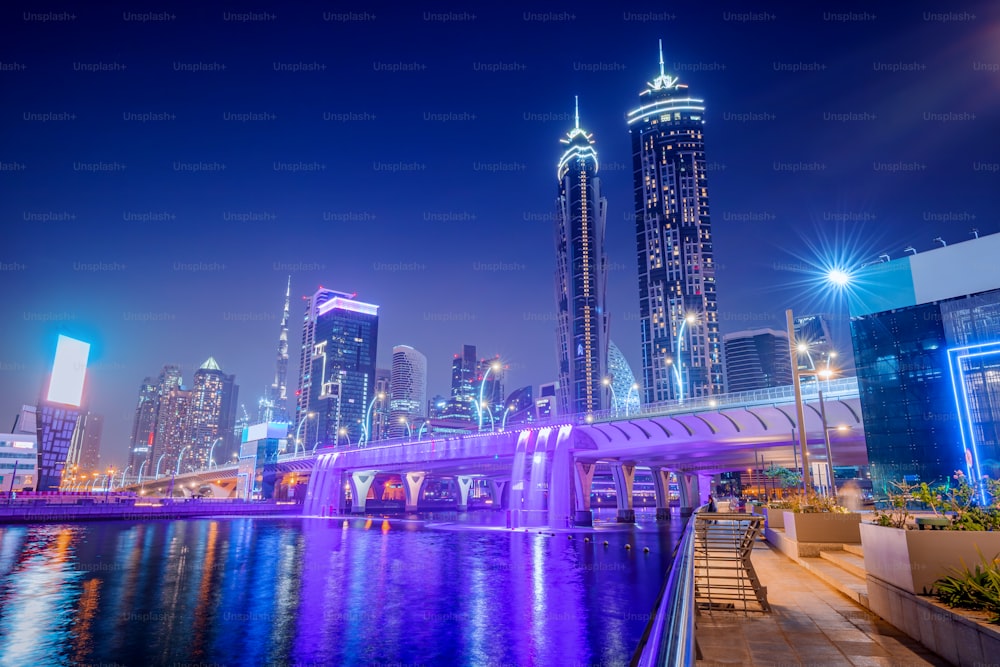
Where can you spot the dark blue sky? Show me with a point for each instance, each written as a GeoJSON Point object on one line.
{"type": "Point", "coordinates": [426, 151]}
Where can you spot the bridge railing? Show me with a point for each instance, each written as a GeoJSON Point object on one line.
{"type": "Point", "coordinates": [669, 635]}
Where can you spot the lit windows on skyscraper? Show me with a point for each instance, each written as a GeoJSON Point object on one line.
{"type": "Point", "coordinates": [676, 266]}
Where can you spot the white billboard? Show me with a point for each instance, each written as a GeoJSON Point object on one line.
{"type": "Point", "coordinates": [68, 371]}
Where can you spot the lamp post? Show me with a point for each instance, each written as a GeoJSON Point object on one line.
{"type": "Point", "coordinates": [180, 457]}
{"type": "Point", "coordinates": [503, 422]}
{"type": "Point", "coordinates": [298, 431]}
{"type": "Point", "coordinates": [409, 431]}
{"type": "Point", "coordinates": [157, 475]}
{"type": "Point", "coordinates": [210, 451]}
{"type": "Point", "coordinates": [366, 431]}
{"type": "Point", "coordinates": [121, 483]}
{"type": "Point", "coordinates": [614, 399]}
{"type": "Point", "coordinates": [144, 462]}
{"type": "Point", "coordinates": [679, 366]}
{"type": "Point", "coordinates": [420, 431]}
{"type": "Point", "coordinates": [799, 410]}
{"type": "Point", "coordinates": [495, 366]}
{"type": "Point", "coordinates": [635, 388]}
{"type": "Point", "coordinates": [344, 434]}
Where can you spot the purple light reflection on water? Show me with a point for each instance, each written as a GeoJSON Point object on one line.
{"type": "Point", "coordinates": [322, 591]}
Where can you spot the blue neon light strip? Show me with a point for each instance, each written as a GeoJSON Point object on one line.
{"type": "Point", "coordinates": [956, 356]}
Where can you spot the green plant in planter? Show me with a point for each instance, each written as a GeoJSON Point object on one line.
{"type": "Point", "coordinates": [898, 512]}
{"type": "Point", "coordinates": [977, 589]}
{"type": "Point", "coordinates": [812, 503]}
{"type": "Point", "coordinates": [783, 477]}
{"type": "Point", "coordinates": [779, 505]}
{"type": "Point", "coordinates": [963, 502]}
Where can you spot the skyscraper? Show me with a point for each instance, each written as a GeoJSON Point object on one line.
{"type": "Point", "coordinates": [681, 352]}
{"type": "Point", "coordinates": [340, 382]}
{"type": "Point", "coordinates": [59, 410]}
{"type": "Point", "coordinates": [581, 276]}
{"type": "Point", "coordinates": [625, 390]}
{"type": "Point", "coordinates": [380, 409]}
{"type": "Point", "coordinates": [757, 359]}
{"type": "Point", "coordinates": [408, 390]}
{"type": "Point", "coordinates": [274, 406]}
{"type": "Point", "coordinates": [464, 369]}
{"type": "Point", "coordinates": [303, 393]}
{"type": "Point", "coordinates": [171, 410]}
{"type": "Point", "coordinates": [144, 427]}
{"type": "Point", "coordinates": [211, 414]}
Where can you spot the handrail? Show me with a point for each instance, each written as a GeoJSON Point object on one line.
{"type": "Point", "coordinates": [669, 635]}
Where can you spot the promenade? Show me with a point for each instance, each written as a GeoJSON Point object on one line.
{"type": "Point", "coordinates": [811, 623]}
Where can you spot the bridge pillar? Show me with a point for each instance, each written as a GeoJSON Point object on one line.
{"type": "Point", "coordinates": [624, 477]}
{"type": "Point", "coordinates": [412, 483]}
{"type": "Point", "coordinates": [378, 488]}
{"type": "Point", "coordinates": [688, 486]}
{"type": "Point", "coordinates": [661, 485]}
{"type": "Point", "coordinates": [360, 482]}
{"type": "Point", "coordinates": [464, 485]}
{"type": "Point", "coordinates": [497, 489]}
{"type": "Point", "coordinates": [582, 514]}
{"type": "Point", "coordinates": [706, 485]}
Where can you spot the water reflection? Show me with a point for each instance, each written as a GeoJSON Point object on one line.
{"type": "Point", "coordinates": [259, 591]}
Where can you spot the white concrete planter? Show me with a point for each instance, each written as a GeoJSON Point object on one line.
{"type": "Point", "coordinates": [820, 527]}
{"type": "Point", "coordinates": [914, 559]}
{"type": "Point", "coordinates": [775, 518]}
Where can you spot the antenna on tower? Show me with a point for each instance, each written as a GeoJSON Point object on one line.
{"type": "Point", "coordinates": [661, 58]}
{"type": "Point", "coordinates": [577, 98]}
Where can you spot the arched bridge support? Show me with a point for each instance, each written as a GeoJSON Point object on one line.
{"type": "Point", "coordinates": [624, 477]}
{"type": "Point", "coordinates": [661, 485]}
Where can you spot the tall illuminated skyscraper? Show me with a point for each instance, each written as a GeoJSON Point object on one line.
{"type": "Point", "coordinates": [59, 410]}
{"type": "Point", "coordinates": [144, 427]}
{"type": "Point", "coordinates": [581, 277]}
{"type": "Point", "coordinates": [464, 370]}
{"type": "Point", "coordinates": [211, 414]}
{"type": "Point", "coordinates": [408, 390]}
{"type": "Point", "coordinates": [340, 380]}
{"type": "Point", "coordinates": [274, 406]}
{"type": "Point", "coordinates": [681, 351]}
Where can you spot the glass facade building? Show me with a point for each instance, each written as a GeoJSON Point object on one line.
{"type": "Point", "coordinates": [681, 349]}
{"type": "Point", "coordinates": [342, 369]}
{"type": "Point", "coordinates": [926, 334]}
{"type": "Point", "coordinates": [408, 391]}
{"type": "Point", "coordinates": [581, 277]}
{"type": "Point", "coordinates": [757, 359]}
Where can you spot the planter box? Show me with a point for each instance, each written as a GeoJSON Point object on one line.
{"type": "Point", "coordinates": [774, 518]}
{"type": "Point", "coordinates": [914, 559]}
{"type": "Point", "coordinates": [823, 527]}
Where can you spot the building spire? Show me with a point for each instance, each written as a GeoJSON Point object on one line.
{"type": "Point", "coordinates": [662, 73]}
{"type": "Point", "coordinates": [662, 82]}
{"type": "Point", "coordinates": [577, 98]}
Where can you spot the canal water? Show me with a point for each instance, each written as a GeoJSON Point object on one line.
{"type": "Point", "coordinates": [446, 590]}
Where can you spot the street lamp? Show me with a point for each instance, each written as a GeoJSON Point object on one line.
{"type": "Point", "coordinates": [409, 431]}
{"type": "Point", "coordinates": [210, 450]}
{"type": "Point", "coordinates": [180, 457]}
{"type": "Point", "coordinates": [503, 422]}
{"type": "Point", "coordinates": [298, 431]}
{"type": "Point", "coordinates": [157, 475]}
{"type": "Point", "coordinates": [144, 462]}
{"type": "Point", "coordinates": [635, 388]}
{"type": "Point", "coordinates": [614, 399]}
{"type": "Point", "coordinates": [344, 434]}
{"type": "Point", "coordinates": [366, 431]}
{"type": "Point", "coordinates": [678, 368]}
{"type": "Point", "coordinates": [799, 410]}
{"type": "Point", "coordinates": [420, 431]}
{"type": "Point", "coordinates": [124, 472]}
{"type": "Point", "coordinates": [495, 366]}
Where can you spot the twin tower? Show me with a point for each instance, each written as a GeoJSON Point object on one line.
{"type": "Point", "coordinates": [681, 350]}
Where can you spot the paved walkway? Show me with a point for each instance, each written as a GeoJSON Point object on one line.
{"type": "Point", "coordinates": [811, 624]}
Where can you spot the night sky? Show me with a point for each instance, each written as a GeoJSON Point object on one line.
{"type": "Point", "coordinates": [409, 156]}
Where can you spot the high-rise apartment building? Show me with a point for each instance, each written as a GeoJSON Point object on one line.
{"type": "Point", "coordinates": [408, 391]}
{"type": "Point", "coordinates": [464, 392]}
{"type": "Point", "coordinates": [757, 359]}
{"type": "Point", "coordinates": [339, 380]}
{"type": "Point", "coordinates": [144, 427]}
{"type": "Point", "coordinates": [581, 276]}
{"type": "Point", "coordinates": [681, 349]}
{"type": "Point", "coordinates": [210, 418]}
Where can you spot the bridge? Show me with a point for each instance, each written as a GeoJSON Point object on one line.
{"type": "Point", "coordinates": [542, 472]}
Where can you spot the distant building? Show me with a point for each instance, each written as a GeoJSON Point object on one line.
{"type": "Point", "coordinates": [581, 277]}
{"type": "Point", "coordinates": [172, 430]}
{"type": "Point", "coordinates": [812, 337]}
{"type": "Point", "coordinates": [85, 452]}
{"type": "Point", "coordinates": [19, 454]}
{"type": "Point", "coordinates": [461, 405]}
{"type": "Point", "coordinates": [381, 424]}
{"type": "Point", "coordinates": [59, 409]}
{"type": "Point", "coordinates": [757, 359]}
{"type": "Point", "coordinates": [926, 333]}
{"type": "Point", "coordinates": [210, 418]}
{"type": "Point", "coordinates": [519, 407]}
{"type": "Point", "coordinates": [625, 390]}
{"type": "Point", "coordinates": [274, 406]}
{"type": "Point", "coordinates": [144, 427]}
{"type": "Point", "coordinates": [678, 313]}
{"type": "Point", "coordinates": [547, 403]}
{"type": "Point", "coordinates": [408, 392]}
{"type": "Point", "coordinates": [340, 380]}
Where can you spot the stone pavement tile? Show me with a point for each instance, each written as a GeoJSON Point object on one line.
{"type": "Point", "coordinates": [863, 648]}
{"type": "Point", "coordinates": [876, 661]}
{"type": "Point", "coordinates": [848, 635]}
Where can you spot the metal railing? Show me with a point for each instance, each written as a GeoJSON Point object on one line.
{"type": "Point", "coordinates": [724, 577]}
{"type": "Point", "coordinates": [669, 636]}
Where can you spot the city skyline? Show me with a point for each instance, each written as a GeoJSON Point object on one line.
{"type": "Point", "coordinates": [156, 264]}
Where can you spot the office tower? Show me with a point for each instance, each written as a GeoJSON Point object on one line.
{"type": "Point", "coordinates": [59, 410]}
{"type": "Point", "coordinates": [303, 393]}
{"type": "Point", "coordinates": [210, 418]}
{"type": "Point", "coordinates": [86, 453]}
{"type": "Point", "coordinates": [173, 429]}
{"type": "Point", "coordinates": [546, 405]}
{"type": "Point", "coordinates": [519, 407]}
{"type": "Point", "coordinates": [581, 276]}
{"type": "Point", "coordinates": [143, 427]}
{"type": "Point", "coordinates": [625, 390]}
{"type": "Point", "coordinates": [756, 359]}
{"type": "Point", "coordinates": [274, 406]}
{"type": "Point", "coordinates": [381, 426]}
{"type": "Point", "coordinates": [925, 329]}
{"type": "Point", "coordinates": [464, 392]}
{"type": "Point", "coordinates": [681, 351]}
{"type": "Point", "coordinates": [408, 391]}
{"type": "Point", "coordinates": [340, 380]}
